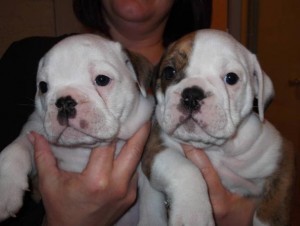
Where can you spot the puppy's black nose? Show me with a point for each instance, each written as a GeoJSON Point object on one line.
{"type": "Point", "coordinates": [190, 98]}
{"type": "Point", "coordinates": [66, 109]}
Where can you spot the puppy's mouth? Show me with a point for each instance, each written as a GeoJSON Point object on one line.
{"type": "Point", "coordinates": [189, 123]}
{"type": "Point", "coordinates": [71, 136]}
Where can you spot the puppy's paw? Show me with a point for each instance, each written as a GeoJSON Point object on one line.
{"type": "Point", "coordinates": [11, 195]}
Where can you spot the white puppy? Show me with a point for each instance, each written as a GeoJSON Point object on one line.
{"type": "Point", "coordinates": [90, 91]}
{"type": "Point", "coordinates": [205, 88]}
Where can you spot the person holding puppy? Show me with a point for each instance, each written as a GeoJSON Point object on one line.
{"type": "Point", "coordinates": [108, 187]}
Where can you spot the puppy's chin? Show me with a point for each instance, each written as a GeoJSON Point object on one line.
{"type": "Point", "coordinates": [74, 138]}
{"type": "Point", "coordinates": [198, 139]}
{"type": "Point", "coordinates": [83, 143]}
{"type": "Point", "coordinates": [198, 135]}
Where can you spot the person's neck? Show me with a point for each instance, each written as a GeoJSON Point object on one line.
{"type": "Point", "coordinates": [137, 38]}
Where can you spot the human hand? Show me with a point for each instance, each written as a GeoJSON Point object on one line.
{"type": "Point", "coordinates": [228, 208]}
{"type": "Point", "coordinates": [97, 196]}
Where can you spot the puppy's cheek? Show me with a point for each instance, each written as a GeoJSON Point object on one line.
{"type": "Point", "coordinates": [95, 122]}
{"type": "Point", "coordinates": [51, 124]}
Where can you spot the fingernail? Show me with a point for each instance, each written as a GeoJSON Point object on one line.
{"type": "Point", "coordinates": [187, 147]}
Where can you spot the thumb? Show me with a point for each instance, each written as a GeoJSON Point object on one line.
{"type": "Point", "coordinates": [44, 159]}
{"type": "Point", "coordinates": [201, 160]}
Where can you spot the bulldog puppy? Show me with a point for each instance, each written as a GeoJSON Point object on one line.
{"type": "Point", "coordinates": [205, 87]}
{"type": "Point", "coordinates": [90, 91]}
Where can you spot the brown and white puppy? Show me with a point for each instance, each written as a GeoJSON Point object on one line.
{"type": "Point", "coordinates": [90, 91]}
{"type": "Point", "coordinates": [205, 87]}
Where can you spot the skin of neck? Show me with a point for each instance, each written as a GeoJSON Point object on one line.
{"type": "Point", "coordinates": [145, 38]}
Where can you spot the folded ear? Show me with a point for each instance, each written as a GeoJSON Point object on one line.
{"type": "Point", "coordinates": [263, 88]}
{"type": "Point", "coordinates": [143, 70]}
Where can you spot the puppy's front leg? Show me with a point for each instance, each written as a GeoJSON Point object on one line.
{"type": "Point", "coordinates": [184, 187]}
{"type": "Point", "coordinates": [151, 202]}
{"type": "Point", "coordinates": [15, 165]}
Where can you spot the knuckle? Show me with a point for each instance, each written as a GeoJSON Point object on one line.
{"type": "Point", "coordinates": [121, 192]}
{"type": "Point", "coordinates": [131, 197]}
{"type": "Point", "coordinates": [97, 186]}
{"type": "Point", "coordinates": [126, 196]}
{"type": "Point", "coordinates": [221, 212]}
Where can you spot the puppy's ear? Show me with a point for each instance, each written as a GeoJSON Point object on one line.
{"type": "Point", "coordinates": [143, 70]}
{"type": "Point", "coordinates": [263, 87]}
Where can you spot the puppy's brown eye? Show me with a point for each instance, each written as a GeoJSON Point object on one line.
{"type": "Point", "coordinates": [169, 73]}
{"type": "Point", "coordinates": [43, 86]}
{"type": "Point", "coordinates": [231, 78]}
{"type": "Point", "coordinates": [102, 80]}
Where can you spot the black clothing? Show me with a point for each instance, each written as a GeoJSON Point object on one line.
{"type": "Point", "coordinates": [18, 67]}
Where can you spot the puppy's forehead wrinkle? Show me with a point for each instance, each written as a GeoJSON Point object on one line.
{"type": "Point", "coordinates": [217, 43]}
{"type": "Point", "coordinates": [75, 47]}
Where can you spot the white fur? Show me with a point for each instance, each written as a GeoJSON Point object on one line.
{"type": "Point", "coordinates": [243, 147]}
{"type": "Point", "coordinates": [103, 113]}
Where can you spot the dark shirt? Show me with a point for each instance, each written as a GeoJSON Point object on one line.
{"type": "Point", "coordinates": [18, 67]}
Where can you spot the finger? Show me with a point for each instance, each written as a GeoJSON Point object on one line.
{"type": "Point", "coordinates": [44, 159]}
{"type": "Point", "coordinates": [100, 161]}
{"type": "Point", "coordinates": [200, 159]}
{"type": "Point", "coordinates": [129, 198]}
{"type": "Point", "coordinates": [132, 189]}
{"type": "Point", "coordinates": [130, 155]}
{"type": "Point", "coordinates": [131, 192]}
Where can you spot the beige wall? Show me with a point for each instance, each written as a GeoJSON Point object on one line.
{"type": "Point", "coordinates": [24, 18]}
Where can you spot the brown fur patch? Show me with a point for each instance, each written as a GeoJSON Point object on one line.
{"type": "Point", "coordinates": [153, 147]}
{"type": "Point", "coordinates": [274, 207]}
{"type": "Point", "coordinates": [143, 69]}
{"type": "Point", "coordinates": [176, 56]}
